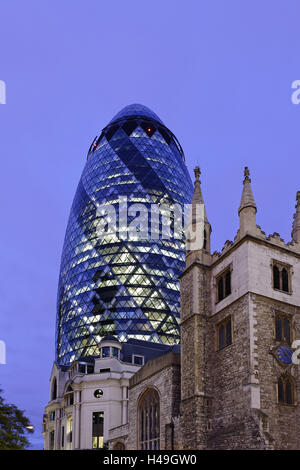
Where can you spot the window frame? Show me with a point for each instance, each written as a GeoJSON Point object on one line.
{"type": "Point", "coordinates": [219, 325]}
{"type": "Point", "coordinates": [149, 424]}
{"type": "Point", "coordinates": [139, 356]}
{"type": "Point", "coordinates": [222, 277]}
{"type": "Point", "coordinates": [280, 266]}
{"type": "Point", "coordinates": [284, 378]}
{"type": "Point", "coordinates": [283, 316]}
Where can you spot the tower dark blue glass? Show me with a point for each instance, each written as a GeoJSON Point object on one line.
{"type": "Point", "coordinates": [126, 288]}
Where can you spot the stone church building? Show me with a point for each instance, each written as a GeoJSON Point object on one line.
{"type": "Point", "coordinates": [235, 383]}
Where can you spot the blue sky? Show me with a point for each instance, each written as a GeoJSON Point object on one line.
{"type": "Point", "coordinates": [218, 73]}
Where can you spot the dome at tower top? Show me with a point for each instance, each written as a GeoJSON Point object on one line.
{"type": "Point", "coordinates": [135, 110]}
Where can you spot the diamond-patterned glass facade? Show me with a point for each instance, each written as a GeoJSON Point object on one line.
{"type": "Point", "coordinates": [126, 288]}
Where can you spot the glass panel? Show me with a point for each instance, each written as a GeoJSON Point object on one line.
{"type": "Point", "coordinates": [98, 424]}
{"type": "Point", "coordinates": [95, 443]}
{"type": "Point", "coordinates": [138, 360]}
{"type": "Point", "coordinates": [228, 333]}
{"type": "Point", "coordinates": [276, 277]}
{"type": "Point", "coordinates": [220, 289]}
{"type": "Point", "coordinates": [90, 369]}
{"type": "Point", "coordinates": [149, 420]}
{"type": "Point", "coordinates": [93, 272]}
{"type": "Point", "coordinates": [278, 328]}
{"type": "Point", "coordinates": [221, 336]}
{"type": "Point", "coordinates": [280, 391]}
{"type": "Point", "coordinates": [287, 330]}
{"type": "Point", "coordinates": [228, 283]}
{"type": "Point", "coordinates": [288, 392]}
{"type": "Point", "coordinates": [285, 280]}
{"type": "Point", "coordinates": [54, 389]}
{"type": "Point", "coordinates": [106, 351]}
{"type": "Point", "coordinates": [115, 352]}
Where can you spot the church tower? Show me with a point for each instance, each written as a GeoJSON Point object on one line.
{"type": "Point", "coordinates": [240, 316]}
{"type": "Point", "coordinates": [195, 305]}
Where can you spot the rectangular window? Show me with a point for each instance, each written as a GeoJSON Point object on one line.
{"type": "Point", "coordinates": [106, 351]}
{"type": "Point", "coordinates": [138, 360]}
{"type": "Point", "coordinates": [224, 330]}
{"type": "Point", "coordinates": [90, 369]}
{"type": "Point", "coordinates": [98, 428]}
{"type": "Point", "coordinates": [115, 352]}
{"type": "Point", "coordinates": [223, 283]}
{"type": "Point", "coordinates": [81, 368]}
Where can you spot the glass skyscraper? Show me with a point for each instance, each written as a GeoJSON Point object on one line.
{"type": "Point", "coordinates": [110, 285]}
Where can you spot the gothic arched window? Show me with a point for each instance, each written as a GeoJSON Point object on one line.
{"type": "Point", "coordinates": [149, 421]}
{"type": "Point", "coordinates": [276, 277]}
{"type": "Point", "coordinates": [223, 281]}
{"type": "Point", "coordinates": [285, 390]}
{"type": "Point", "coordinates": [281, 276]}
{"type": "Point", "coordinates": [283, 327]}
{"type": "Point", "coordinates": [285, 280]}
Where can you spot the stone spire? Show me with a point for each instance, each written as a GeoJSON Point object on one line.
{"type": "Point", "coordinates": [296, 222]}
{"type": "Point", "coordinates": [197, 196]}
{"type": "Point", "coordinates": [198, 229]}
{"type": "Point", "coordinates": [247, 209]}
{"type": "Point", "coordinates": [247, 199]}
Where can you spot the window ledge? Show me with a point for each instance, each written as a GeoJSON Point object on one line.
{"type": "Point", "coordinates": [287, 404]}
{"type": "Point", "coordinates": [225, 347]}
{"type": "Point", "coordinates": [283, 291]}
{"type": "Point", "coordinates": [218, 301]}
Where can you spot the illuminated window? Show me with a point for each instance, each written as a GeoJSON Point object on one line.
{"type": "Point", "coordinates": [98, 426]}
{"type": "Point", "coordinates": [149, 421]}
{"type": "Point", "coordinates": [138, 157]}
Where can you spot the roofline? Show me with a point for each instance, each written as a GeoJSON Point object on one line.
{"type": "Point", "coordinates": [145, 118]}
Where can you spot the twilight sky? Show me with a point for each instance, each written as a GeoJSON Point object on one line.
{"type": "Point", "coordinates": [218, 73]}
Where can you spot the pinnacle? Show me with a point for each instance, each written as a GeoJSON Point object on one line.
{"type": "Point", "coordinates": [247, 199]}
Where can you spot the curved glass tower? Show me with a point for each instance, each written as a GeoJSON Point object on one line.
{"type": "Point", "coordinates": [121, 286]}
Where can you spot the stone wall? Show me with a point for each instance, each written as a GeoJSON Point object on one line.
{"type": "Point", "coordinates": [162, 374]}
{"type": "Point", "coordinates": [282, 421]}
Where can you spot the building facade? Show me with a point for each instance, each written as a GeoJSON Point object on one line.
{"type": "Point", "coordinates": [123, 284]}
{"type": "Point", "coordinates": [239, 382]}
{"type": "Point", "coordinates": [90, 397]}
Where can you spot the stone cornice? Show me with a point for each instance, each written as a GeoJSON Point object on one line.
{"type": "Point", "coordinates": [273, 241]}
